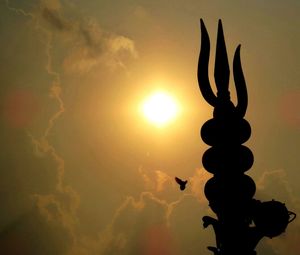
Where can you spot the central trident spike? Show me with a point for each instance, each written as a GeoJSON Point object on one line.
{"type": "Point", "coordinates": [221, 66]}
{"type": "Point", "coordinates": [221, 73]}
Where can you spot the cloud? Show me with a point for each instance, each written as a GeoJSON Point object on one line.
{"type": "Point", "coordinates": [55, 5]}
{"type": "Point", "coordinates": [136, 216]}
{"type": "Point", "coordinates": [197, 183]}
{"type": "Point", "coordinates": [89, 45]}
{"type": "Point", "coordinates": [120, 234]}
{"type": "Point", "coordinates": [96, 47]}
{"type": "Point", "coordinates": [156, 181]}
{"type": "Point", "coordinates": [144, 212]}
{"type": "Point", "coordinates": [275, 185]}
{"type": "Point", "coordinates": [54, 18]}
{"type": "Point", "coordinates": [162, 179]}
{"type": "Point", "coordinates": [133, 222]}
{"type": "Point", "coordinates": [59, 207]}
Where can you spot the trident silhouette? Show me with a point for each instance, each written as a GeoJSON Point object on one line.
{"type": "Point", "coordinates": [242, 221]}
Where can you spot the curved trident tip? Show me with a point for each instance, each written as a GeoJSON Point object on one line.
{"type": "Point", "coordinates": [222, 72]}
{"type": "Point", "coordinates": [203, 79]}
{"type": "Point", "coordinates": [240, 84]}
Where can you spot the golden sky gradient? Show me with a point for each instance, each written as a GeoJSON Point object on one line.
{"type": "Point", "coordinates": [84, 173]}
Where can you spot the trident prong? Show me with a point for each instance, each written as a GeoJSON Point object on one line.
{"type": "Point", "coordinates": [221, 72]}
{"type": "Point", "coordinates": [203, 79]}
{"type": "Point", "coordinates": [240, 84]}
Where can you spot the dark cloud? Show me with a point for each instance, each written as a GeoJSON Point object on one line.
{"type": "Point", "coordinates": [88, 37]}
{"type": "Point", "coordinates": [88, 44]}
{"type": "Point", "coordinates": [54, 18]}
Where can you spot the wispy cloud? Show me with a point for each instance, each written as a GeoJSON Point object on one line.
{"type": "Point", "coordinates": [275, 185]}
{"type": "Point", "coordinates": [90, 46]}
{"type": "Point", "coordinates": [61, 205]}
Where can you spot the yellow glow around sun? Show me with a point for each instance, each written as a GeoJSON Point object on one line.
{"type": "Point", "coordinates": [160, 109]}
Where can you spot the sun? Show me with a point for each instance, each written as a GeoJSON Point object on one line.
{"type": "Point", "coordinates": [160, 108]}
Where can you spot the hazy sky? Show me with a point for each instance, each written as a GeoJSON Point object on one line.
{"type": "Point", "coordinates": [83, 172]}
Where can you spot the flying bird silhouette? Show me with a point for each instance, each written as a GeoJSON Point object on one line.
{"type": "Point", "coordinates": [181, 183]}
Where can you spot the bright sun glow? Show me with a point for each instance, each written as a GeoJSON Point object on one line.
{"type": "Point", "coordinates": [160, 109]}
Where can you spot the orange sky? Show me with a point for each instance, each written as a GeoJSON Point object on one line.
{"type": "Point", "coordinates": [83, 173]}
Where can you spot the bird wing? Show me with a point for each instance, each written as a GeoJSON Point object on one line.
{"type": "Point", "coordinates": [179, 181]}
